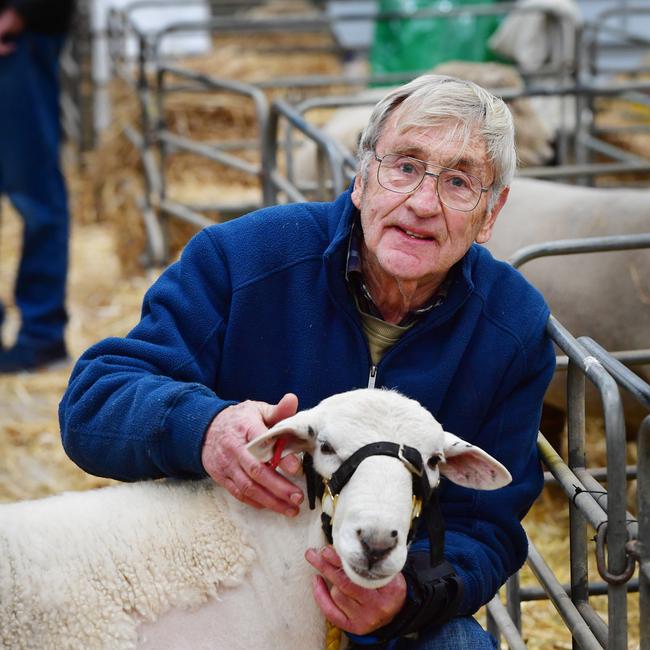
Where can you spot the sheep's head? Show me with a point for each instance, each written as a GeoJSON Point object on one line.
{"type": "Point", "coordinates": [373, 510]}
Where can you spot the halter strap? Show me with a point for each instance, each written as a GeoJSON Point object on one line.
{"type": "Point", "coordinates": [412, 460]}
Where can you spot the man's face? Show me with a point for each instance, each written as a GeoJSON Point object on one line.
{"type": "Point", "coordinates": [414, 237]}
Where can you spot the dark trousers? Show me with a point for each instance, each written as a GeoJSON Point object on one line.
{"type": "Point", "coordinates": [31, 176]}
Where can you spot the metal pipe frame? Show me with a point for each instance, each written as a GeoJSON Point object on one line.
{"type": "Point", "coordinates": [624, 162]}
{"type": "Point", "coordinates": [593, 30]}
{"type": "Point", "coordinates": [581, 245]}
{"type": "Point", "coordinates": [617, 533]}
{"type": "Point", "coordinates": [154, 132]}
{"type": "Point", "coordinates": [575, 621]}
{"type": "Point", "coordinates": [628, 357]}
{"type": "Point", "coordinates": [500, 622]}
{"type": "Point", "coordinates": [595, 589]}
{"type": "Point", "coordinates": [122, 23]}
{"type": "Point", "coordinates": [330, 155]}
{"type": "Point", "coordinates": [643, 513]}
{"type": "Point", "coordinates": [165, 140]}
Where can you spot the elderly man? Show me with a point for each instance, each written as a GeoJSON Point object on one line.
{"type": "Point", "coordinates": [383, 287]}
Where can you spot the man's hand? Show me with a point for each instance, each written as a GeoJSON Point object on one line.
{"type": "Point", "coordinates": [226, 460]}
{"type": "Point", "coordinates": [11, 24]}
{"type": "Point", "coordinates": [348, 606]}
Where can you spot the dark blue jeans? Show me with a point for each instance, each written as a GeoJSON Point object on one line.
{"type": "Point", "coordinates": [461, 633]}
{"type": "Point", "coordinates": [31, 176]}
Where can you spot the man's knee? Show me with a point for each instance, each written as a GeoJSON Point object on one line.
{"type": "Point", "coordinates": [460, 633]}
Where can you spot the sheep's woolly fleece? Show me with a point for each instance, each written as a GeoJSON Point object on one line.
{"type": "Point", "coordinates": [175, 548]}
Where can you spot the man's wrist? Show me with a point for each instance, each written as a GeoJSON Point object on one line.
{"type": "Point", "coordinates": [433, 597]}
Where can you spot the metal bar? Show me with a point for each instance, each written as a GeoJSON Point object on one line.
{"type": "Point", "coordinates": [513, 600]}
{"type": "Point", "coordinates": [281, 183]}
{"type": "Point", "coordinates": [628, 357]}
{"type": "Point", "coordinates": [569, 482]}
{"type": "Point", "coordinates": [589, 169]}
{"type": "Point", "coordinates": [599, 473]}
{"type": "Point", "coordinates": [578, 550]}
{"type": "Point", "coordinates": [601, 497]}
{"type": "Point", "coordinates": [615, 437]}
{"type": "Point", "coordinates": [614, 427]}
{"type": "Point", "coordinates": [594, 621]}
{"type": "Point", "coordinates": [583, 245]}
{"type": "Point", "coordinates": [183, 213]}
{"type": "Point", "coordinates": [609, 149]}
{"type": "Point", "coordinates": [228, 208]}
{"type": "Point", "coordinates": [505, 624]}
{"type": "Point", "coordinates": [595, 589]}
{"type": "Point", "coordinates": [617, 558]}
{"type": "Point", "coordinates": [325, 145]}
{"type": "Point", "coordinates": [207, 151]}
{"type": "Point", "coordinates": [643, 513]}
{"type": "Point", "coordinates": [623, 375]}
{"type": "Point", "coordinates": [567, 610]}
{"type": "Point", "coordinates": [321, 22]}
{"type": "Point", "coordinates": [492, 625]}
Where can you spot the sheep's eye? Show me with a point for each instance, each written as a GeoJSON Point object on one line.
{"type": "Point", "coordinates": [326, 448]}
{"type": "Point", "coordinates": [433, 461]}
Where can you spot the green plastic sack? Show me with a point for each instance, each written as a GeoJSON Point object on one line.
{"type": "Point", "coordinates": [419, 44]}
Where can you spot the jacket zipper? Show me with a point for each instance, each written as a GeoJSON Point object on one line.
{"type": "Point", "coordinates": [372, 377]}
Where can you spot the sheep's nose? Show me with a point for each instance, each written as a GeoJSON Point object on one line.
{"type": "Point", "coordinates": [376, 545]}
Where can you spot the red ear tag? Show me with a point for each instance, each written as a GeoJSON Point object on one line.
{"type": "Point", "coordinates": [278, 448]}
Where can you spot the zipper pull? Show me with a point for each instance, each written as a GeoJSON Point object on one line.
{"type": "Point", "coordinates": [372, 377]}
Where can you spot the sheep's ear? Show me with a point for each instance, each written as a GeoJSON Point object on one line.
{"type": "Point", "coordinates": [471, 467]}
{"type": "Point", "coordinates": [297, 432]}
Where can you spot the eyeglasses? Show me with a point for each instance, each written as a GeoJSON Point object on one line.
{"type": "Point", "coordinates": [403, 174]}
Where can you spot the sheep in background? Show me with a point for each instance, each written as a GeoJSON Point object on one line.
{"type": "Point", "coordinates": [534, 138]}
{"type": "Point", "coordinates": [602, 295]}
{"type": "Point", "coordinates": [184, 565]}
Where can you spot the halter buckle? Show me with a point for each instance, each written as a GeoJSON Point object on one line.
{"type": "Point", "coordinates": [333, 497]}
{"type": "Point", "coordinates": [408, 464]}
{"type": "Point", "coordinates": [417, 508]}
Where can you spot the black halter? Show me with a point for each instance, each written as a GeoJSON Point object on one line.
{"type": "Point", "coordinates": [425, 499]}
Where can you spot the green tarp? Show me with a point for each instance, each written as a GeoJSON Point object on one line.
{"type": "Point", "coordinates": [418, 44]}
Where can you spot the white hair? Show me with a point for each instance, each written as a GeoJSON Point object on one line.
{"type": "Point", "coordinates": [431, 100]}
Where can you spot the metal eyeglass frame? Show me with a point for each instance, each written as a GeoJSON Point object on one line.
{"type": "Point", "coordinates": [436, 176]}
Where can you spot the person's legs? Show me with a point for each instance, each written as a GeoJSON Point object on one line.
{"type": "Point", "coordinates": [32, 178]}
{"type": "Point", "coordinates": [2, 307]}
{"type": "Point", "coordinates": [461, 633]}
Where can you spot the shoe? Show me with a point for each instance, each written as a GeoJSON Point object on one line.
{"type": "Point", "coordinates": [28, 355]}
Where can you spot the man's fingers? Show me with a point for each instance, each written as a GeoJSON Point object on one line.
{"type": "Point", "coordinates": [326, 605]}
{"type": "Point", "coordinates": [233, 489]}
{"type": "Point", "coordinates": [328, 564]}
{"type": "Point", "coordinates": [291, 465]}
{"type": "Point", "coordinates": [225, 458]}
{"type": "Point", "coordinates": [280, 487]}
{"type": "Point", "coordinates": [332, 556]}
{"type": "Point", "coordinates": [285, 408]}
{"type": "Point", "coordinates": [247, 490]}
{"type": "Point", "coordinates": [344, 602]}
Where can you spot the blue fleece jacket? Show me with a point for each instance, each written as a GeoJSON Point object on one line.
{"type": "Point", "coordinates": [259, 306]}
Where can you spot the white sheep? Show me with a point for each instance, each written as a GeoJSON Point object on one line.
{"type": "Point", "coordinates": [168, 564]}
{"type": "Point", "coordinates": [602, 295]}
